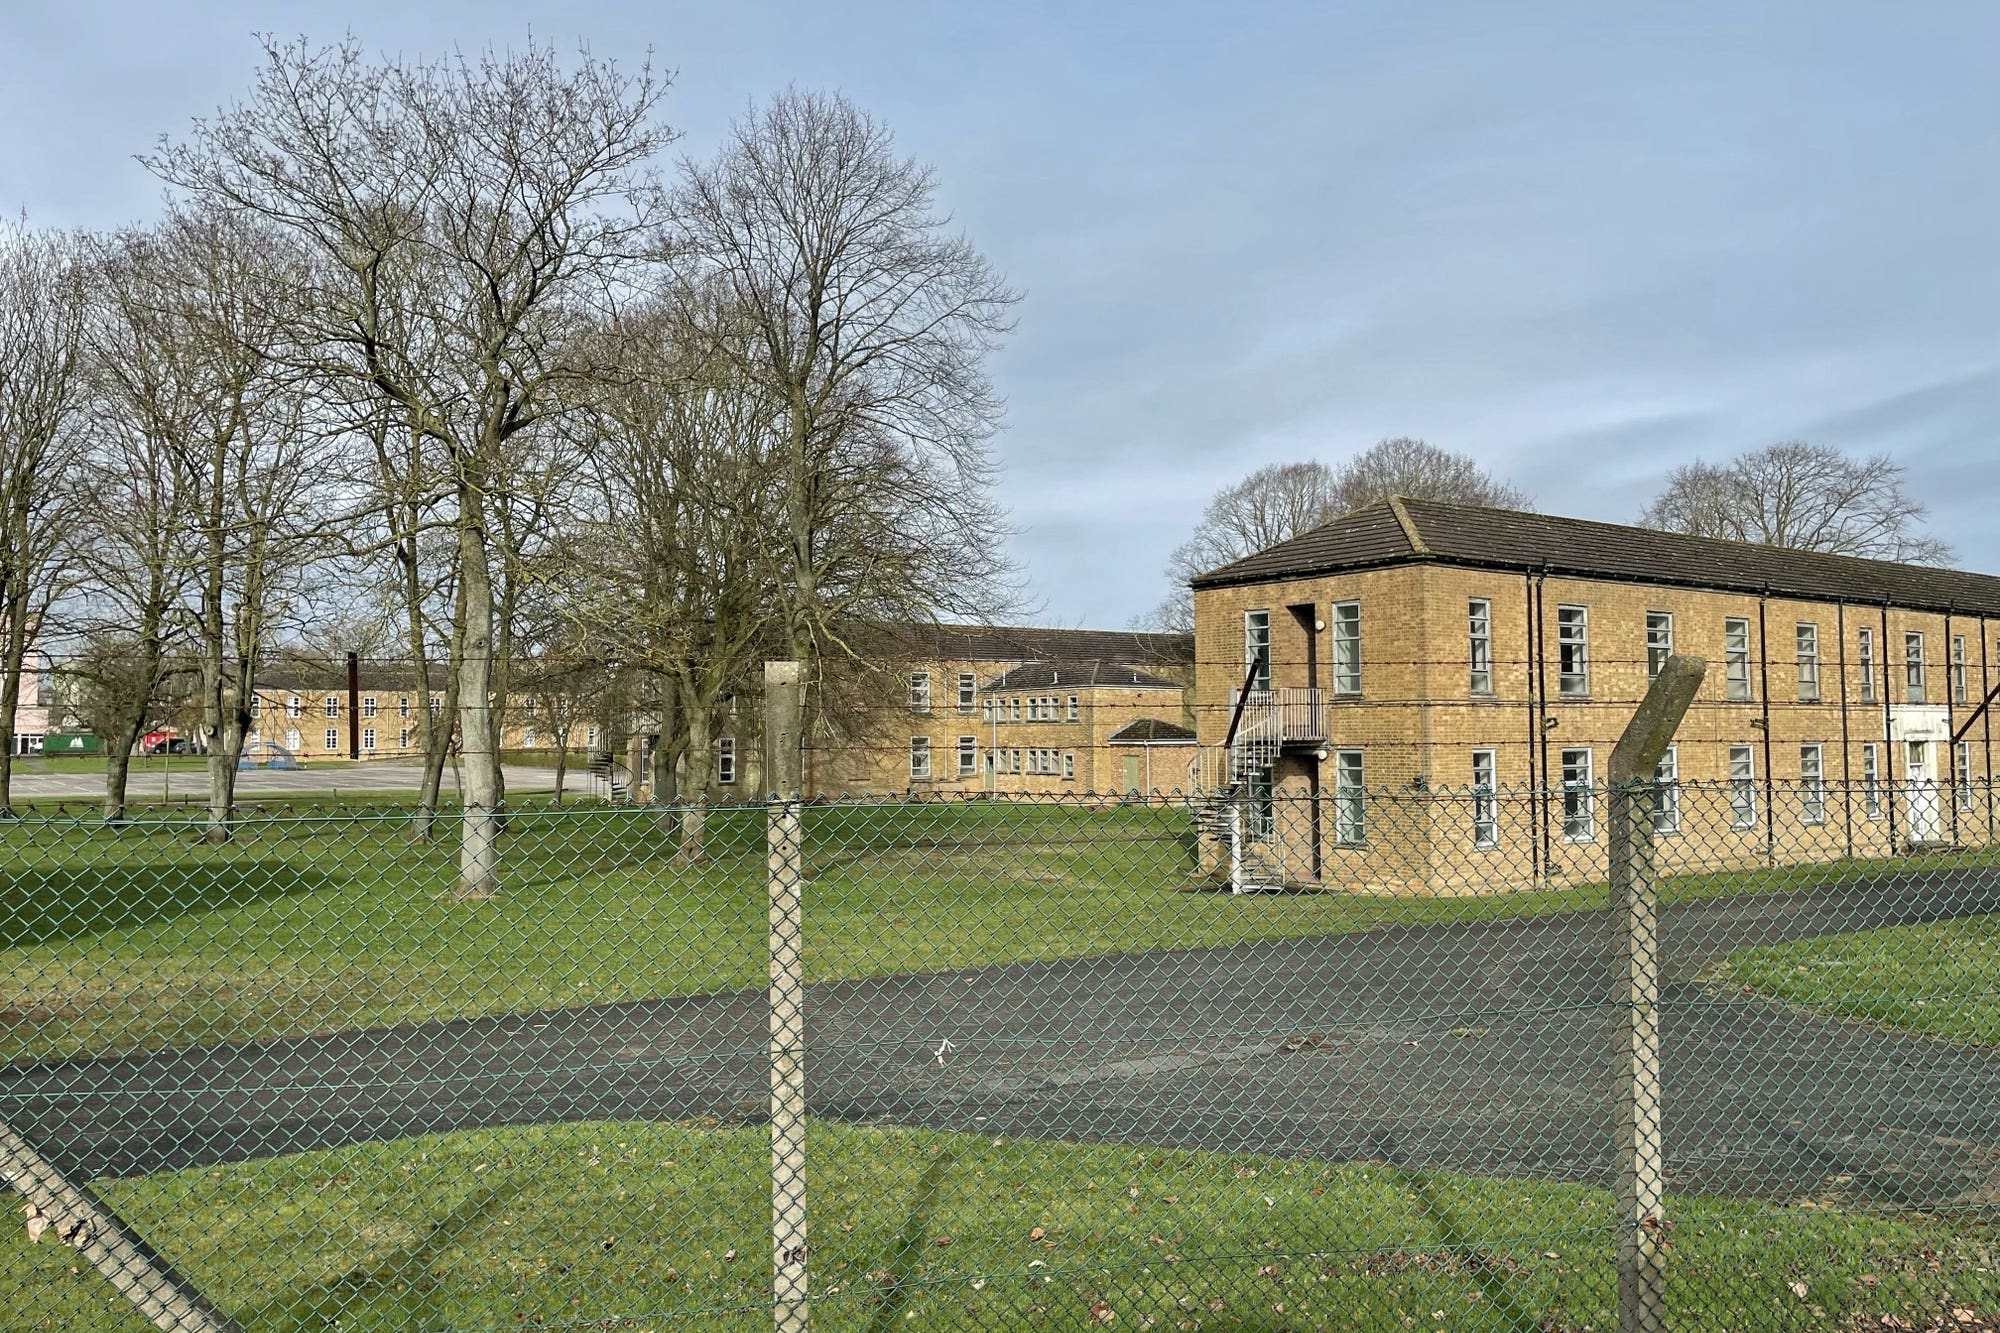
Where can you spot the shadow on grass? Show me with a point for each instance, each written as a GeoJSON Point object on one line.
{"type": "Point", "coordinates": [907, 1258]}
{"type": "Point", "coordinates": [68, 903]}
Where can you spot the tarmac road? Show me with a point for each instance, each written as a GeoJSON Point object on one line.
{"type": "Point", "coordinates": [1474, 1048]}
{"type": "Point", "coordinates": [349, 779]}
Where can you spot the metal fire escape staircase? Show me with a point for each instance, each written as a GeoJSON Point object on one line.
{"type": "Point", "coordinates": [1220, 776]}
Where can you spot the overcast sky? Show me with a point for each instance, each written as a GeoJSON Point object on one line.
{"type": "Point", "coordinates": [1581, 242]}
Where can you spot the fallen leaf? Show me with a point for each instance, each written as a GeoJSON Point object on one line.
{"type": "Point", "coordinates": [1798, 1289]}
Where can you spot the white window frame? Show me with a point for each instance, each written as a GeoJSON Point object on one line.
{"type": "Point", "coordinates": [295, 706]}
{"type": "Point", "coordinates": [1350, 798]}
{"type": "Point", "coordinates": [1485, 803]}
{"type": "Point", "coordinates": [1864, 656]}
{"type": "Point", "coordinates": [1479, 645]}
{"type": "Point", "coordinates": [1742, 786]}
{"type": "Point", "coordinates": [590, 736]}
{"type": "Point", "coordinates": [332, 739]}
{"type": "Point", "coordinates": [920, 758]}
{"type": "Point", "coordinates": [920, 691]}
{"type": "Point", "coordinates": [1958, 690]}
{"type": "Point", "coordinates": [1913, 666]}
{"type": "Point", "coordinates": [1072, 708]}
{"type": "Point", "coordinates": [968, 756]}
{"type": "Point", "coordinates": [1014, 709]}
{"type": "Point", "coordinates": [368, 706]}
{"type": "Point", "coordinates": [1667, 792]}
{"type": "Point", "coordinates": [1579, 800]}
{"type": "Point", "coordinates": [1659, 642]}
{"type": "Point", "coordinates": [1346, 631]}
{"type": "Point", "coordinates": [527, 737]}
{"type": "Point", "coordinates": [1812, 783]}
{"type": "Point", "coordinates": [1961, 776]}
{"type": "Point", "coordinates": [1871, 781]}
{"type": "Point", "coordinates": [331, 705]}
{"type": "Point", "coordinates": [368, 740]}
{"type": "Point", "coordinates": [968, 691]}
{"type": "Point", "coordinates": [402, 738]}
{"type": "Point", "coordinates": [403, 706]}
{"type": "Point", "coordinates": [1806, 637]}
{"type": "Point", "coordinates": [1257, 649]}
{"type": "Point", "coordinates": [1572, 651]}
{"type": "Point", "coordinates": [725, 761]}
{"type": "Point", "coordinates": [1736, 658]}
{"type": "Point", "coordinates": [1069, 765]}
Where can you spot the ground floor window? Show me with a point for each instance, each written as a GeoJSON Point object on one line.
{"type": "Point", "coordinates": [332, 739]}
{"type": "Point", "coordinates": [1260, 804]}
{"type": "Point", "coordinates": [368, 739]}
{"type": "Point", "coordinates": [1069, 765]}
{"type": "Point", "coordinates": [920, 757]}
{"type": "Point", "coordinates": [725, 761]}
{"type": "Point", "coordinates": [1579, 810]}
{"type": "Point", "coordinates": [1485, 806]}
{"type": "Point", "coordinates": [968, 755]}
{"type": "Point", "coordinates": [1667, 792]}
{"type": "Point", "coordinates": [1871, 781]}
{"type": "Point", "coordinates": [1961, 774]}
{"type": "Point", "coordinates": [1350, 799]}
{"type": "Point", "coordinates": [1742, 787]}
{"type": "Point", "coordinates": [1812, 784]}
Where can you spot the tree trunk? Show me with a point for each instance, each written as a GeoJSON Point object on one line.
{"type": "Point", "coordinates": [118, 766]}
{"type": "Point", "coordinates": [479, 790]}
{"type": "Point", "coordinates": [700, 763]}
{"type": "Point", "coordinates": [10, 692]}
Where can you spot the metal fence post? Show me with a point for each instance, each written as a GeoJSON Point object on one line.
{"type": "Point", "coordinates": [784, 862]}
{"type": "Point", "coordinates": [1641, 1217]}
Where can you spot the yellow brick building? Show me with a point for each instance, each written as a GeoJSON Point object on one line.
{"type": "Point", "coordinates": [1434, 691]}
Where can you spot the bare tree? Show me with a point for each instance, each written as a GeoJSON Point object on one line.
{"type": "Point", "coordinates": [868, 322]}
{"type": "Point", "coordinates": [468, 216]}
{"type": "Point", "coordinates": [42, 307]}
{"type": "Point", "coordinates": [1808, 497]}
{"type": "Point", "coordinates": [1279, 501]}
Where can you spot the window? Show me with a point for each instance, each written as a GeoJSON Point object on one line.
{"type": "Point", "coordinates": [1347, 647]}
{"type": "Point", "coordinates": [1257, 650]}
{"type": "Point", "coordinates": [436, 704]}
{"type": "Point", "coordinates": [920, 691]}
{"type": "Point", "coordinates": [1812, 785]}
{"type": "Point", "coordinates": [1742, 787]}
{"type": "Point", "coordinates": [1485, 807]}
{"type": "Point", "coordinates": [725, 761]}
{"type": "Point", "coordinates": [332, 738]}
{"type": "Point", "coordinates": [1864, 654]}
{"type": "Point", "coordinates": [1350, 799]}
{"type": "Point", "coordinates": [256, 705]}
{"type": "Point", "coordinates": [1667, 792]}
{"type": "Point", "coordinates": [968, 755]}
{"type": "Point", "coordinates": [1479, 644]}
{"type": "Point", "coordinates": [590, 736]}
{"type": "Point", "coordinates": [1579, 813]}
{"type": "Point", "coordinates": [403, 705]}
{"type": "Point", "coordinates": [1958, 669]}
{"type": "Point", "coordinates": [527, 706]}
{"type": "Point", "coordinates": [1572, 651]}
{"type": "Point", "coordinates": [1961, 774]}
{"type": "Point", "coordinates": [1260, 814]}
{"type": "Point", "coordinates": [968, 691]}
{"type": "Point", "coordinates": [985, 710]}
{"type": "Point", "coordinates": [1871, 781]}
{"type": "Point", "coordinates": [1014, 709]}
{"type": "Point", "coordinates": [1014, 761]}
{"type": "Point", "coordinates": [1913, 668]}
{"type": "Point", "coordinates": [1069, 764]}
{"type": "Point", "coordinates": [368, 739]}
{"type": "Point", "coordinates": [527, 738]}
{"type": "Point", "coordinates": [1808, 645]}
{"type": "Point", "coordinates": [293, 741]}
{"type": "Point", "coordinates": [920, 757]}
{"type": "Point", "coordinates": [1072, 708]}
{"type": "Point", "coordinates": [333, 705]}
{"type": "Point", "coordinates": [294, 706]}
{"type": "Point", "coordinates": [1736, 658]}
{"type": "Point", "coordinates": [403, 738]}
{"type": "Point", "coordinates": [1659, 642]}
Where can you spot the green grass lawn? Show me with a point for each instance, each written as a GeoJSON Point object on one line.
{"type": "Point", "coordinates": [1940, 978]}
{"type": "Point", "coordinates": [142, 936]}
{"type": "Point", "coordinates": [649, 1226]}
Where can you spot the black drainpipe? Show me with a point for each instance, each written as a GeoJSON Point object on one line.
{"type": "Point", "coordinates": [1888, 730]}
{"type": "Point", "coordinates": [1846, 765]}
{"type": "Point", "coordinates": [1764, 689]}
{"type": "Point", "coordinates": [1541, 687]}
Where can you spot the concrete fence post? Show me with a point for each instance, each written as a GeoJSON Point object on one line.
{"type": "Point", "coordinates": [1641, 1164]}
{"type": "Point", "coordinates": [785, 867]}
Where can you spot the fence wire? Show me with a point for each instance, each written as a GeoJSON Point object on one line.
{"type": "Point", "coordinates": [1258, 1060]}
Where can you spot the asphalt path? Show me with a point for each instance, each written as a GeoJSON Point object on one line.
{"type": "Point", "coordinates": [344, 779]}
{"type": "Point", "coordinates": [1480, 1048]}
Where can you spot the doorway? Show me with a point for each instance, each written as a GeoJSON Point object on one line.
{"type": "Point", "coordinates": [1923, 798]}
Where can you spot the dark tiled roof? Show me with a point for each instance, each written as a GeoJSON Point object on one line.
{"type": "Point", "coordinates": [1030, 643]}
{"type": "Point", "coordinates": [1508, 539]}
{"type": "Point", "coordinates": [1152, 730]}
{"type": "Point", "coordinates": [1078, 675]}
{"type": "Point", "coordinates": [330, 677]}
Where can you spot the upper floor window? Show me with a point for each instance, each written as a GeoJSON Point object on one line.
{"type": "Point", "coordinates": [368, 706]}
{"type": "Point", "coordinates": [1913, 668]}
{"type": "Point", "coordinates": [725, 761]}
{"type": "Point", "coordinates": [1659, 642]}
{"type": "Point", "coordinates": [332, 705]}
{"type": "Point", "coordinates": [1736, 657]}
{"type": "Point", "coordinates": [1347, 647]}
{"type": "Point", "coordinates": [1572, 651]}
{"type": "Point", "coordinates": [1864, 655]}
{"type": "Point", "coordinates": [294, 706]}
{"type": "Point", "coordinates": [1072, 708]}
{"type": "Point", "coordinates": [1257, 650]}
{"type": "Point", "coordinates": [968, 690]}
{"type": "Point", "coordinates": [1808, 647]}
{"type": "Point", "coordinates": [1958, 669]}
{"type": "Point", "coordinates": [1479, 643]}
{"type": "Point", "coordinates": [920, 691]}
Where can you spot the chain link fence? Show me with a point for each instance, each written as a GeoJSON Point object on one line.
{"type": "Point", "coordinates": [980, 1064]}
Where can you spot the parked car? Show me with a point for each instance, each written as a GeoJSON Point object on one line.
{"type": "Point", "coordinates": [171, 745]}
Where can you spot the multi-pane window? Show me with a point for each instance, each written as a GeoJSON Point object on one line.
{"type": "Point", "coordinates": [368, 739]}
{"type": "Point", "coordinates": [1808, 649]}
{"type": "Point", "coordinates": [1961, 774]}
{"type": "Point", "coordinates": [293, 741]}
{"type": "Point", "coordinates": [527, 738]}
{"type": "Point", "coordinates": [725, 761]}
{"type": "Point", "coordinates": [331, 705]}
{"type": "Point", "coordinates": [1013, 761]}
{"type": "Point", "coordinates": [1260, 804]}
{"type": "Point", "coordinates": [403, 705]}
{"type": "Point", "coordinates": [1347, 647]}
{"type": "Point", "coordinates": [256, 705]}
{"type": "Point", "coordinates": [1812, 784]}
{"type": "Point", "coordinates": [920, 691]}
{"type": "Point", "coordinates": [368, 702]}
{"type": "Point", "coordinates": [968, 690]}
{"type": "Point", "coordinates": [403, 738]}
{"type": "Point", "coordinates": [1069, 764]}
{"type": "Point", "coordinates": [1742, 787]}
{"type": "Point", "coordinates": [1350, 799]}
{"type": "Point", "coordinates": [1485, 804]}
{"type": "Point", "coordinates": [1864, 656]}
{"type": "Point", "coordinates": [1572, 651]}
{"type": "Point", "coordinates": [294, 706]}
{"type": "Point", "coordinates": [1072, 707]}
{"type": "Point", "coordinates": [968, 755]}
{"type": "Point", "coordinates": [920, 757]}
{"type": "Point", "coordinates": [1479, 643]}
{"type": "Point", "coordinates": [590, 737]}
{"type": "Point", "coordinates": [986, 710]}
{"type": "Point", "coordinates": [1871, 780]}
{"type": "Point", "coordinates": [1667, 792]}
{"type": "Point", "coordinates": [527, 706]}
{"type": "Point", "coordinates": [1579, 811]}
{"type": "Point", "coordinates": [1958, 669]}
{"type": "Point", "coordinates": [1014, 709]}
{"type": "Point", "coordinates": [1736, 657]}
{"type": "Point", "coordinates": [1257, 650]}
{"type": "Point", "coordinates": [332, 738]}
{"type": "Point", "coordinates": [1913, 668]}
{"type": "Point", "coordinates": [1659, 642]}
